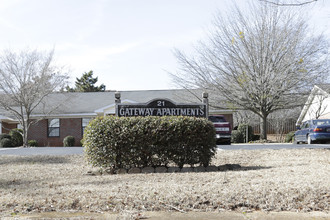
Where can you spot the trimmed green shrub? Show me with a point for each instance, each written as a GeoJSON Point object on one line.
{"type": "Point", "coordinates": [239, 135]}
{"type": "Point", "coordinates": [32, 143]}
{"type": "Point", "coordinates": [242, 129]}
{"type": "Point", "coordinates": [124, 142]}
{"type": "Point", "coordinates": [236, 136]}
{"type": "Point", "coordinates": [16, 137]}
{"type": "Point", "coordinates": [6, 142]}
{"type": "Point", "coordinates": [2, 136]}
{"type": "Point", "coordinates": [289, 137]}
{"type": "Point", "coordinates": [68, 141]}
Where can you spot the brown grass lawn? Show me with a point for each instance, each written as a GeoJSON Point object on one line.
{"type": "Point", "coordinates": [270, 180]}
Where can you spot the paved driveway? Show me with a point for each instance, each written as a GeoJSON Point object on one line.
{"type": "Point", "coordinates": [79, 150]}
{"type": "Point", "coordinates": [271, 146]}
{"type": "Point", "coordinates": [41, 151]}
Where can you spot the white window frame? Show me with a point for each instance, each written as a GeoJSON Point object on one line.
{"type": "Point", "coordinates": [54, 125]}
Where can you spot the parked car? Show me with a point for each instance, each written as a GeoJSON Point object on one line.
{"type": "Point", "coordinates": [312, 131]}
{"type": "Point", "coordinates": [222, 128]}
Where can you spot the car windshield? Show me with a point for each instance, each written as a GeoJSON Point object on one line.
{"type": "Point", "coordinates": [215, 119]}
{"type": "Point", "coordinates": [321, 122]}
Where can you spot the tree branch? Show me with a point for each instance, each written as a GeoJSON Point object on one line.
{"type": "Point", "coordinates": [288, 4]}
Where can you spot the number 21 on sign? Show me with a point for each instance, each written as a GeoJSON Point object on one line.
{"type": "Point", "coordinates": [160, 103]}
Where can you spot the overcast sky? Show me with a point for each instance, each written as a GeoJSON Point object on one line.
{"type": "Point", "coordinates": [127, 43]}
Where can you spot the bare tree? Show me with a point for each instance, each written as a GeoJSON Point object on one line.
{"type": "Point", "coordinates": [318, 105]}
{"type": "Point", "coordinates": [289, 3]}
{"type": "Point", "coordinates": [321, 107]}
{"type": "Point", "coordinates": [245, 117]}
{"type": "Point", "coordinates": [26, 79]}
{"type": "Point", "coordinates": [260, 60]}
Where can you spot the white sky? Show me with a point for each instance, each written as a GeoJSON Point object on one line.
{"type": "Point", "coordinates": [127, 43]}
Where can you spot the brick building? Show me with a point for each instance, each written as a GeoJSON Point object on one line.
{"type": "Point", "coordinates": [64, 114]}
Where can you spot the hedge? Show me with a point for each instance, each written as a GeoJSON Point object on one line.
{"type": "Point", "coordinates": [125, 142]}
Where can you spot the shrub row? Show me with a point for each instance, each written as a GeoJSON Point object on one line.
{"type": "Point", "coordinates": [15, 139]}
{"type": "Point", "coordinates": [68, 141]}
{"type": "Point", "coordinates": [149, 141]}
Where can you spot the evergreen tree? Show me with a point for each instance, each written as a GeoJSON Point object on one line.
{"type": "Point", "coordinates": [86, 84]}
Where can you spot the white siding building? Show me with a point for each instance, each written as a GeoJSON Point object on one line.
{"type": "Point", "coordinates": [317, 105]}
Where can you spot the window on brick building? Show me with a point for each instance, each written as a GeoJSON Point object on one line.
{"type": "Point", "coordinates": [84, 123]}
{"type": "Point", "coordinates": [54, 127]}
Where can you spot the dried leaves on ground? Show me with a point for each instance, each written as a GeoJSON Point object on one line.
{"type": "Point", "coordinates": [269, 180]}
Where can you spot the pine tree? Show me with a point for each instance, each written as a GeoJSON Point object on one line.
{"type": "Point", "coordinates": [86, 84]}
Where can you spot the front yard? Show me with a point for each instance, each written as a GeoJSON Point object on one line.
{"type": "Point", "coordinates": [269, 180]}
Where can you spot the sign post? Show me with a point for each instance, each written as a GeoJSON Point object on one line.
{"type": "Point", "coordinates": [117, 101]}
{"type": "Point", "coordinates": [206, 102]}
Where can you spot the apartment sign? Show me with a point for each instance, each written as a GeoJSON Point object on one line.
{"type": "Point", "coordinates": [161, 107]}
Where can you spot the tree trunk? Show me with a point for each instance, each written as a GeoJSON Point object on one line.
{"type": "Point", "coordinates": [25, 137]}
{"type": "Point", "coordinates": [263, 127]}
{"type": "Point", "coordinates": [25, 132]}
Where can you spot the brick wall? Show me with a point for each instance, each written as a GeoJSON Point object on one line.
{"type": "Point", "coordinates": [7, 127]}
{"type": "Point", "coordinates": [68, 126]}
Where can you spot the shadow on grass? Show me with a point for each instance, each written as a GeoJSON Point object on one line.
{"type": "Point", "coordinates": [237, 167]}
{"type": "Point", "coordinates": [33, 160]}
{"type": "Point", "coordinates": [221, 168]}
{"type": "Point", "coordinates": [254, 168]}
{"type": "Point", "coordinates": [15, 184]}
